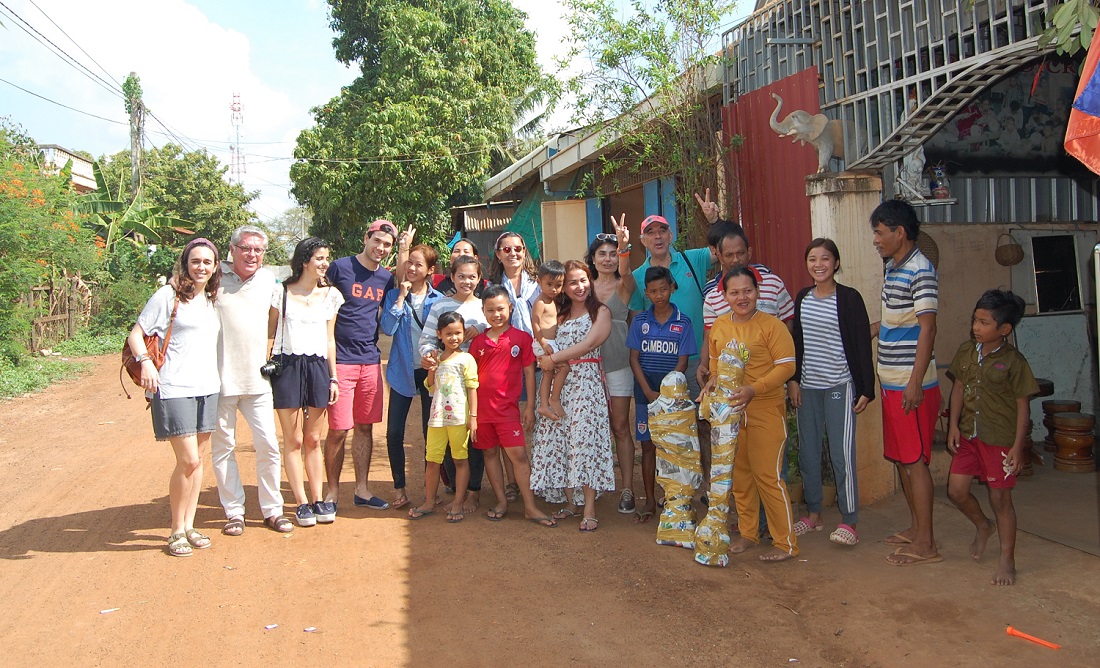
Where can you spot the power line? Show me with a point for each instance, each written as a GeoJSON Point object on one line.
{"type": "Point", "coordinates": [79, 111]}
{"type": "Point", "coordinates": [110, 87]}
{"type": "Point", "coordinates": [71, 39]}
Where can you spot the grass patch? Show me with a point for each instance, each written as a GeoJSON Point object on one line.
{"type": "Point", "coordinates": [85, 344]}
{"type": "Point", "coordinates": [35, 373]}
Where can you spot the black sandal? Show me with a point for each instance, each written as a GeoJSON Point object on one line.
{"type": "Point", "coordinates": [279, 523]}
{"type": "Point", "coordinates": [234, 527]}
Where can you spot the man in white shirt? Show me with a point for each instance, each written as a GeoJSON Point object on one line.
{"type": "Point", "coordinates": [244, 299]}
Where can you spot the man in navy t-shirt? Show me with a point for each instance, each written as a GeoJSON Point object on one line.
{"type": "Point", "coordinates": [363, 281]}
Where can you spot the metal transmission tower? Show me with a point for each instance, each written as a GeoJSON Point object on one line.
{"type": "Point", "coordinates": [237, 168]}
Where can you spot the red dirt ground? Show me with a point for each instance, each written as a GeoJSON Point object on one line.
{"type": "Point", "coordinates": [84, 526]}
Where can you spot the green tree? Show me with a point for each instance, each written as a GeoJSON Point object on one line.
{"type": "Point", "coordinates": [1071, 26]}
{"type": "Point", "coordinates": [644, 76]}
{"type": "Point", "coordinates": [441, 85]}
{"type": "Point", "coordinates": [40, 236]}
{"type": "Point", "coordinates": [188, 185]}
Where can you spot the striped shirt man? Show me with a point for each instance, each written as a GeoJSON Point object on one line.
{"type": "Point", "coordinates": [773, 297]}
{"type": "Point", "coordinates": [910, 289]}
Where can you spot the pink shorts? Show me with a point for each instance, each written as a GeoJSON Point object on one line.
{"type": "Point", "coordinates": [360, 399]}
{"type": "Point", "coordinates": [502, 434]}
{"type": "Point", "coordinates": [988, 462]}
{"type": "Point", "coordinates": [907, 438]}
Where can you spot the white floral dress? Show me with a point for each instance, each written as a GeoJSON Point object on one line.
{"type": "Point", "coordinates": [575, 452]}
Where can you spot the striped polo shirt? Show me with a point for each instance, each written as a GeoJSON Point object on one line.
{"type": "Point", "coordinates": [773, 298]}
{"type": "Point", "coordinates": [910, 288]}
{"type": "Point", "coordinates": [824, 364]}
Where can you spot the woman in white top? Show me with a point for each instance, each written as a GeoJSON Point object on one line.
{"type": "Point", "coordinates": [183, 394]}
{"type": "Point", "coordinates": [300, 330]}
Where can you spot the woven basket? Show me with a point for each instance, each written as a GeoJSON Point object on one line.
{"type": "Point", "coordinates": [929, 248]}
{"type": "Point", "coordinates": [1009, 253]}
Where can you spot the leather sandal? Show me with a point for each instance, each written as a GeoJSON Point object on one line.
{"type": "Point", "coordinates": [279, 523]}
{"type": "Point", "coordinates": [234, 527]}
{"type": "Point", "coordinates": [178, 545]}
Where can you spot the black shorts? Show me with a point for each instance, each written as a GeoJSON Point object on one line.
{"type": "Point", "coordinates": [303, 382]}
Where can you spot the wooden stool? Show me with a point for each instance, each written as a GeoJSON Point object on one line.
{"type": "Point", "coordinates": [1046, 388]}
{"type": "Point", "coordinates": [1050, 408]}
{"type": "Point", "coordinates": [1074, 436]}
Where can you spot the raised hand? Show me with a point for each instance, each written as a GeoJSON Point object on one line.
{"type": "Point", "coordinates": [405, 239]}
{"type": "Point", "coordinates": [709, 208]}
{"type": "Point", "coordinates": [622, 232]}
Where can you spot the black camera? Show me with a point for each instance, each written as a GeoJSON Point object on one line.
{"type": "Point", "coordinates": [272, 368]}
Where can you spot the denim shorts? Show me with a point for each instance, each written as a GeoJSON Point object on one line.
{"type": "Point", "coordinates": [183, 416]}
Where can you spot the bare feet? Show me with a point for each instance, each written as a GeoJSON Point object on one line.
{"type": "Point", "coordinates": [981, 537]}
{"type": "Point", "coordinates": [775, 554]}
{"type": "Point", "coordinates": [473, 500]}
{"type": "Point", "coordinates": [1005, 573]}
{"type": "Point", "coordinates": [557, 408]}
{"type": "Point", "coordinates": [740, 544]}
{"type": "Point", "coordinates": [547, 412]}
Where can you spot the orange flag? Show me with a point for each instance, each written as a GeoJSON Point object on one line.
{"type": "Point", "coordinates": [1083, 129]}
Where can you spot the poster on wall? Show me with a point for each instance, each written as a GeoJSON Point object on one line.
{"type": "Point", "coordinates": [1018, 124]}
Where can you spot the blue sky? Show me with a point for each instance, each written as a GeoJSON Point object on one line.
{"type": "Point", "coordinates": [191, 57]}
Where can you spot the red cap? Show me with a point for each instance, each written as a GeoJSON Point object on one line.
{"type": "Point", "coordinates": [382, 225]}
{"type": "Point", "coordinates": [654, 220]}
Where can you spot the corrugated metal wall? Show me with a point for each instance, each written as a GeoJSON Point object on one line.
{"type": "Point", "coordinates": [771, 175]}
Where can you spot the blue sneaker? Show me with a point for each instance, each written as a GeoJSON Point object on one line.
{"type": "Point", "coordinates": [325, 512]}
{"type": "Point", "coordinates": [374, 503]}
{"type": "Point", "coordinates": [304, 516]}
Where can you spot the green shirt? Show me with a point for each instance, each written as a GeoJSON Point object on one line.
{"type": "Point", "coordinates": [990, 390]}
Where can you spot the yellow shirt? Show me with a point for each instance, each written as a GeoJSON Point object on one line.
{"type": "Point", "coordinates": [766, 346]}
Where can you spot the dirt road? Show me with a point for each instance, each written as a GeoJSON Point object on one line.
{"type": "Point", "coordinates": [84, 524]}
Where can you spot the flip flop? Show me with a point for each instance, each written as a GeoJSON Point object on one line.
{"type": "Point", "coordinates": [643, 516]}
{"type": "Point", "coordinates": [565, 514]}
{"type": "Point", "coordinates": [416, 513]}
{"type": "Point", "coordinates": [589, 524]}
{"type": "Point", "coordinates": [495, 516]}
{"type": "Point", "coordinates": [896, 539]}
{"type": "Point", "coordinates": [542, 522]}
{"type": "Point", "coordinates": [400, 502]}
{"type": "Point", "coordinates": [917, 560]}
{"type": "Point", "coordinates": [455, 518]}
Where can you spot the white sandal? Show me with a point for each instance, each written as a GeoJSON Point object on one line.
{"type": "Point", "coordinates": [844, 535]}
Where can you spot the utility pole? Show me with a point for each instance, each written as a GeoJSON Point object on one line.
{"type": "Point", "coordinates": [136, 108]}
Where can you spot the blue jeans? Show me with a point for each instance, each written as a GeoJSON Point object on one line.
{"type": "Point", "coordinates": [395, 425]}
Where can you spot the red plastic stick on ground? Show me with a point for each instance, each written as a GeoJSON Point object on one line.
{"type": "Point", "coordinates": [1038, 641]}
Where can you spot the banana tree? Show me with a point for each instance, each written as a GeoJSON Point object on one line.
{"type": "Point", "coordinates": [113, 219]}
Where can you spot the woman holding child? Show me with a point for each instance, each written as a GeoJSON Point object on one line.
{"type": "Point", "coordinates": [183, 393]}
{"type": "Point", "coordinates": [571, 460]}
{"type": "Point", "coordinates": [608, 259]}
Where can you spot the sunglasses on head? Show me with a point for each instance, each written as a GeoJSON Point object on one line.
{"type": "Point", "coordinates": [603, 236]}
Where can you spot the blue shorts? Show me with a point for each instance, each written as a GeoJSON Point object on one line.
{"type": "Point", "coordinates": [641, 406]}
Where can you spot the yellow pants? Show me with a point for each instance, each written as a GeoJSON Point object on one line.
{"type": "Point", "coordinates": [756, 476]}
{"type": "Point", "coordinates": [438, 438]}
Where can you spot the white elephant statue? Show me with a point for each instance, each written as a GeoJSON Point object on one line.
{"type": "Point", "coordinates": [827, 136]}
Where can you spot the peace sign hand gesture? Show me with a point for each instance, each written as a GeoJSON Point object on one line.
{"type": "Point", "coordinates": [622, 233]}
{"type": "Point", "coordinates": [709, 208]}
{"type": "Point", "coordinates": [404, 240]}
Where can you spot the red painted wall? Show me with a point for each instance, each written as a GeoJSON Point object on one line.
{"type": "Point", "coordinates": [770, 175]}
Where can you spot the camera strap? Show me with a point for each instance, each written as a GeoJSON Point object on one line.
{"type": "Point", "coordinates": [282, 330]}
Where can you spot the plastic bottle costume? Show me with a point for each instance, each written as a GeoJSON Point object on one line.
{"type": "Point", "coordinates": [675, 434]}
{"type": "Point", "coordinates": [712, 539]}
